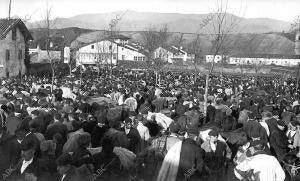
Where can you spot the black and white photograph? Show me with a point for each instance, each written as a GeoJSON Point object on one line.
{"type": "Point", "coordinates": [150, 90]}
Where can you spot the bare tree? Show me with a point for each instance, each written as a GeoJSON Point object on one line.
{"type": "Point", "coordinates": [296, 24]}
{"type": "Point", "coordinates": [104, 54]}
{"type": "Point", "coordinates": [48, 25]}
{"type": "Point", "coordinates": [152, 40]}
{"type": "Point", "coordinates": [222, 25]}
{"type": "Point", "coordinates": [196, 50]}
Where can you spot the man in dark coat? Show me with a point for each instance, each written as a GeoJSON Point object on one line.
{"type": "Point", "coordinates": [88, 123]}
{"type": "Point", "coordinates": [191, 160]}
{"type": "Point", "coordinates": [211, 111]}
{"type": "Point", "coordinates": [12, 123]}
{"type": "Point", "coordinates": [216, 158]}
{"type": "Point", "coordinates": [67, 171]}
{"type": "Point", "coordinates": [107, 163]}
{"type": "Point", "coordinates": [98, 133]}
{"type": "Point", "coordinates": [9, 151]}
{"type": "Point", "coordinates": [31, 137]}
{"type": "Point", "coordinates": [56, 127]}
{"type": "Point", "coordinates": [30, 167]}
{"type": "Point", "coordinates": [287, 115]}
{"type": "Point", "coordinates": [133, 136]}
{"type": "Point", "coordinates": [279, 141]}
{"type": "Point", "coordinates": [84, 106]}
{"type": "Point", "coordinates": [37, 119]}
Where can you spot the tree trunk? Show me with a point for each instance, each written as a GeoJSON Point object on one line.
{"type": "Point", "coordinates": [206, 93]}
{"type": "Point", "coordinates": [297, 86]}
{"type": "Point", "coordinates": [159, 79]}
{"type": "Point", "coordinates": [70, 69]}
{"type": "Point", "coordinates": [52, 82]}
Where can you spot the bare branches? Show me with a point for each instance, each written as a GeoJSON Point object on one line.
{"type": "Point", "coordinates": [153, 39]}
{"type": "Point", "coordinates": [296, 24]}
{"type": "Point", "coordinates": [221, 26]}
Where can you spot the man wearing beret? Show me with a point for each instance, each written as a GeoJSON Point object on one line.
{"type": "Point", "coordinates": [191, 160]}
{"type": "Point", "coordinates": [216, 157]}
{"type": "Point", "coordinates": [279, 141]}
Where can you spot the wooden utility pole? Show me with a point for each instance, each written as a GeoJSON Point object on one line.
{"type": "Point", "coordinates": [9, 9]}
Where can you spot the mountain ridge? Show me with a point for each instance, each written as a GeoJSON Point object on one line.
{"type": "Point", "coordinates": [177, 22]}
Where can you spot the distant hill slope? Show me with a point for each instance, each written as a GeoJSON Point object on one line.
{"type": "Point", "coordinates": [69, 34]}
{"type": "Point", "coordinates": [267, 43]}
{"type": "Point", "coordinates": [187, 23]}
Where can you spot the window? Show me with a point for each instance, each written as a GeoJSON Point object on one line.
{"type": "Point", "coordinates": [20, 54]}
{"type": "Point", "coordinates": [92, 47]}
{"type": "Point", "coordinates": [123, 57]}
{"type": "Point", "coordinates": [110, 47]}
{"type": "Point", "coordinates": [135, 58]}
{"type": "Point", "coordinates": [7, 55]}
{"type": "Point", "coordinates": [143, 58]}
{"type": "Point", "coordinates": [14, 34]}
{"type": "Point", "coordinates": [114, 56]}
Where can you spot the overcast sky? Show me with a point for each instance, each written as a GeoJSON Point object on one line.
{"type": "Point", "coordinates": [286, 10]}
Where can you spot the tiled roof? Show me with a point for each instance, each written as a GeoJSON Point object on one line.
{"type": "Point", "coordinates": [7, 24]}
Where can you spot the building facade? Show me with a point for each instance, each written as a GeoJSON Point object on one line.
{"type": "Point", "coordinates": [279, 60]}
{"type": "Point", "coordinates": [173, 54]}
{"type": "Point", "coordinates": [13, 39]}
{"type": "Point", "coordinates": [108, 52]}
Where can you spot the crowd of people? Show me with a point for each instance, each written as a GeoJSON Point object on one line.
{"type": "Point", "coordinates": [124, 126]}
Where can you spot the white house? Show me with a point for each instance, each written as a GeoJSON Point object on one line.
{"type": "Point", "coordinates": [216, 59]}
{"type": "Point", "coordinates": [173, 54]}
{"type": "Point", "coordinates": [14, 36]}
{"type": "Point", "coordinates": [265, 59]}
{"type": "Point", "coordinates": [108, 52]}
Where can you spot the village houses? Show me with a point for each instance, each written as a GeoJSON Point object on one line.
{"type": "Point", "coordinates": [14, 36]}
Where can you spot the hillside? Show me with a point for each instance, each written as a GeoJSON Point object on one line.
{"type": "Point", "coordinates": [267, 43]}
{"type": "Point", "coordinates": [186, 23]}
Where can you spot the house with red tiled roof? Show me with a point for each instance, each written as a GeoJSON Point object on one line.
{"type": "Point", "coordinates": [14, 37]}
